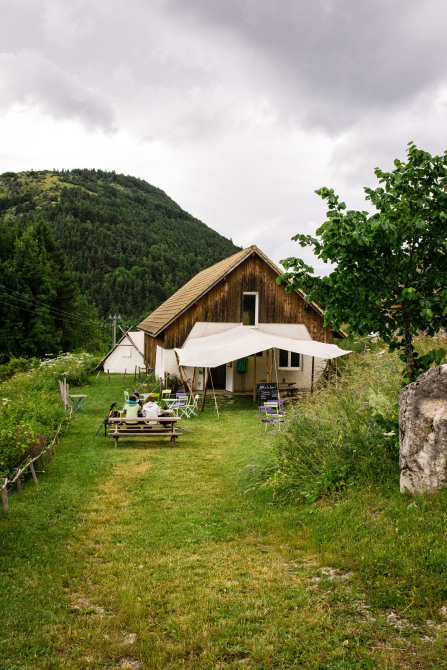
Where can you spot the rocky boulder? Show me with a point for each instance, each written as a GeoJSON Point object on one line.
{"type": "Point", "coordinates": [423, 432]}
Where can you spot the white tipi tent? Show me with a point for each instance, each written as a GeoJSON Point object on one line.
{"type": "Point", "coordinates": [127, 354]}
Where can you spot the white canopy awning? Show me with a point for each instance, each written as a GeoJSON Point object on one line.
{"type": "Point", "coordinates": [165, 363]}
{"type": "Point", "coordinates": [240, 341]}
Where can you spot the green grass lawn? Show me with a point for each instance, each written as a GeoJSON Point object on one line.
{"type": "Point", "coordinates": [149, 556]}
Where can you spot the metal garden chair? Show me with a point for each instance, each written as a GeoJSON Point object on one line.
{"type": "Point", "coordinates": [268, 418]}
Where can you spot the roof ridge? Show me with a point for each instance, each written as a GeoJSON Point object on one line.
{"type": "Point", "coordinates": [201, 283]}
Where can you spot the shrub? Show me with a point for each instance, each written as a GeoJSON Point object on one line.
{"type": "Point", "coordinates": [31, 407]}
{"type": "Point", "coordinates": [15, 365]}
{"type": "Point", "coordinates": [341, 435]}
{"type": "Point", "coordinates": [74, 367]}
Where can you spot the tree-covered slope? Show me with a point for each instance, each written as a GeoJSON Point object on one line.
{"type": "Point", "coordinates": [128, 245]}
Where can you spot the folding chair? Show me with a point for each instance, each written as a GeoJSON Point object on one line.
{"type": "Point", "coordinates": [277, 408]}
{"type": "Point", "coordinates": [189, 408]}
{"type": "Point", "coordinates": [268, 418]}
{"type": "Point", "coordinates": [166, 395]}
{"type": "Point", "coordinates": [194, 405]}
{"type": "Point", "coordinates": [177, 407]}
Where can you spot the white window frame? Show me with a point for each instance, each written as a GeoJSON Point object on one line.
{"type": "Point", "coordinates": [289, 356]}
{"type": "Point", "coordinates": [255, 293]}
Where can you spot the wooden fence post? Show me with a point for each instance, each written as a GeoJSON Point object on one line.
{"type": "Point", "coordinates": [18, 483]}
{"type": "Point", "coordinates": [33, 473]}
{"type": "Point", "coordinates": [108, 374]}
{"type": "Point", "coordinates": [5, 498]}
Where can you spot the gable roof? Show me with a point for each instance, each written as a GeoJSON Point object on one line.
{"type": "Point", "coordinates": [198, 286]}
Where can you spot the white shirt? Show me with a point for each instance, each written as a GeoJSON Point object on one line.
{"type": "Point", "coordinates": [151, 411]}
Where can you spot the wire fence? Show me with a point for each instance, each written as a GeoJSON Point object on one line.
{"type": "Point", "coordinates": [44, 457]}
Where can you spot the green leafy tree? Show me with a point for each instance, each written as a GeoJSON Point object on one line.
{"type": "Point", "coordinates": [43, 311]}
{"type": "Point", "coordinates": [390, 272]}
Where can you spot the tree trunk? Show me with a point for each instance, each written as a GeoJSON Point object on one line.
{"type": "Point", "coordinates": [409, 353]}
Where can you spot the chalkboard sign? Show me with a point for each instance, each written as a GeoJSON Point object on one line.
{"type": "Point", "coordinates": [267, 391]}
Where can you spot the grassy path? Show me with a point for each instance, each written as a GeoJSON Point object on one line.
{"type": "Point", "coordinates": [148, 556]}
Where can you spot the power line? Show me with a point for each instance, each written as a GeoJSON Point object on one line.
{"type": "Point", "coordinates": [31, 311]}
{"type": "Point", "coordinates": [39, 302]}
{"type": "Point", "coordinates": [58, 312]}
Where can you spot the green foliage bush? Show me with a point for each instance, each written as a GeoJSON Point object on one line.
{"type": "Point", "coordinates": [31, 406]}
{"type": "Point", "coordinates": [342, 435]}
{"type": "Point", "coordinates": [15, 365]}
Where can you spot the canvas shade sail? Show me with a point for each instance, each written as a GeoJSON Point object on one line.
{"type": "Point", "coordinates": [241, 341]}
{"type": "Point", "coordinates": [165, 363]}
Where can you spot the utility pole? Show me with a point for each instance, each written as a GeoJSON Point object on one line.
{"type": "Point", "coordinates": [114, 318]}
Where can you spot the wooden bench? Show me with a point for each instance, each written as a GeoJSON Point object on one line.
{"type": "Point", "coordinates": [125, 427]}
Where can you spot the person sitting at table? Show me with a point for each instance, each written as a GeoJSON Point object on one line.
{"type": "Point", "coordinates": [137, 395]}
{"type": "Point", "coordinates": [132, 409]}
{"type": "Point", "coordinates": [152, 411]}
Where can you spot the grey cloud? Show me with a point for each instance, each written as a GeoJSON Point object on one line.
{"type": "Point", "coordinates": [322, 64]}
{"type": "Point", "coordinates": [328, 62]}
{"type": "Point", "coordinates": [28, 78]}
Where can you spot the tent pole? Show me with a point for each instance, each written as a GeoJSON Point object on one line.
{"type": "Point", "coordinates": [188, 386]}
{"type": "Point", "coordinates": [268, 365]}
{"type": "Point", "coordinates": [313, 371]}
{"type": "Point", "coordinates": [214, 394]}
{"type": "Point", "coordinates": [254, 378]}
{"type": "Point", "coordinates": [183, 378]}
{"type": "Point", "coordinates": [204, 388]}
{"type": "Point", "coordinates": [192, 388]}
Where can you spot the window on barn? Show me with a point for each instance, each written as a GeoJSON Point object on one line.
{"type": "Point", "coordinates": [250, 309]}
{"type": "Point", "coordinates": [289, 360]}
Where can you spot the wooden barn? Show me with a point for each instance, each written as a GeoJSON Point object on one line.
{"type": "Point", "coordinates": [241, 291]}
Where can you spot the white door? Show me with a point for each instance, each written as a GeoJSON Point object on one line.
{"type": "Point", "coordinates": [229, 377]}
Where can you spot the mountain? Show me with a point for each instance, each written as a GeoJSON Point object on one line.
{"type": "Point", "coordinates": [128, 246]}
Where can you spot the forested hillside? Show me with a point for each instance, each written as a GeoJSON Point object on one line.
{"type": "Point", "coordinates": [82, 239]}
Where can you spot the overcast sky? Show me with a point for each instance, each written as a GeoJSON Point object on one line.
{"type": "Point", "coordinates": [237, 109]}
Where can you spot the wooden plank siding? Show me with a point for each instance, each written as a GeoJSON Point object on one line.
{"type": "Point", "coordinates": [223, 303]}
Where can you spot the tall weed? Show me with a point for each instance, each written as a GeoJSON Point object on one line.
{"type": "Point", "coordinates": [345, 433]}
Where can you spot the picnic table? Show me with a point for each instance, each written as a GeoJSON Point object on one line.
{"type": "Point", "coordinates": [288, 389]}
{"type": "Point", "coordinates": [164, 426]}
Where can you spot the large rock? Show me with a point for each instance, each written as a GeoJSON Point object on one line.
{"type": "Point", "coordinates": [423, 432]}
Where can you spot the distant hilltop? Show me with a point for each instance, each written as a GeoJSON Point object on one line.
{"type": "Point", "coordinates": [128, 245]}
